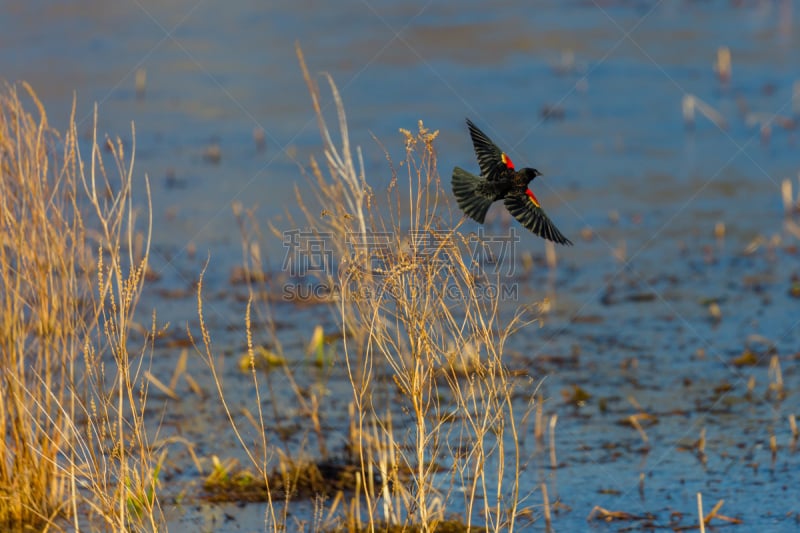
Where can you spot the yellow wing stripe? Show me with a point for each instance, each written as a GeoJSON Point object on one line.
{"type": "Point", "coordinates": [533, 198]}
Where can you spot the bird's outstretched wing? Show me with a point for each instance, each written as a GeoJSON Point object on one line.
{"type": "Point", "coordinates": [492, 160]}
{"type": "Point", "coordinates": [471, 197]}
{"type": "Point", "coordinates": [526, 209]}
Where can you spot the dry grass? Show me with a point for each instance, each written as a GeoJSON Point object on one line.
{"type": "Point", "coordinates": [412, 305]}
{"type": "Point", "coordinates": [432, 422]}
{"type": "Point", "coordinates": [73, 449]}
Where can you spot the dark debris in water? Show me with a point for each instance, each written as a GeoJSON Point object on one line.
{"type": "Point", "coordinates": [241, 275]}
{"type": "Point", "coordinates": [176, 293]}
{"type": "Point", "coordinates": [228, 482]}
{"type": "Point", "coordinates": [599, 513]}
{"type": "Point", "coordinates": [588, 319]}
{"type": "Point", "coordinates": [677, 521]}
{"type": "Point", "coordinates": [451, 525]}
{"type": "Point", "coordinates": [615, 296]}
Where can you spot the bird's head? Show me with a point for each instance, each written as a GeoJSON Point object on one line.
{"type": "Point", "coordinates": [531, 173]}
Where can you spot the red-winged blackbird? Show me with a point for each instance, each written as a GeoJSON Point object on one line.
{"type": "Point", "coordinates": [500, 181]}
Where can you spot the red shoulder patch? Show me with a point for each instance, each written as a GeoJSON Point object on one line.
{"type": "Point", "coordinates": [533, 198]}
{"type": "Point", "coordinates": [507, 161]}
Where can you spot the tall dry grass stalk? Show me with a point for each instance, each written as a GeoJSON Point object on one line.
{"type": "Point", "coordinates": [74, 452]}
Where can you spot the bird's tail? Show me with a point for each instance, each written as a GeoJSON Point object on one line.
{"type": "Point", "coordinates": [472, 202]}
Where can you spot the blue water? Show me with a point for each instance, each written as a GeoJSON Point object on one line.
{"type": "Point", "coordinates": [217, 71]}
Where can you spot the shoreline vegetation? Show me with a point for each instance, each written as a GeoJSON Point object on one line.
{"type": "Point", "coordinates": [74, 451]}
{"type": "Point", "coordinates": [79, 451]}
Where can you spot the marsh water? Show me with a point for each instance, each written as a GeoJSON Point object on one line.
{"type": "Point", "coordinates": [651, 310]}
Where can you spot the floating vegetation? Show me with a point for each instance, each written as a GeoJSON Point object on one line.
{"type": "Point", "coordinates": [747, 358]}
{"type": "Point", "coordinates": [577, 396]}
{"type": "Point", "coordinates": [230, 482]}
{"type": "Point", "coordinates": [599, 513]}
{"type": "Point", "coordinates": [262, 358]}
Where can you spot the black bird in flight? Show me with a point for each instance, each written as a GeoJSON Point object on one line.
{"type": "Point", "coordinates": [500, 181]}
